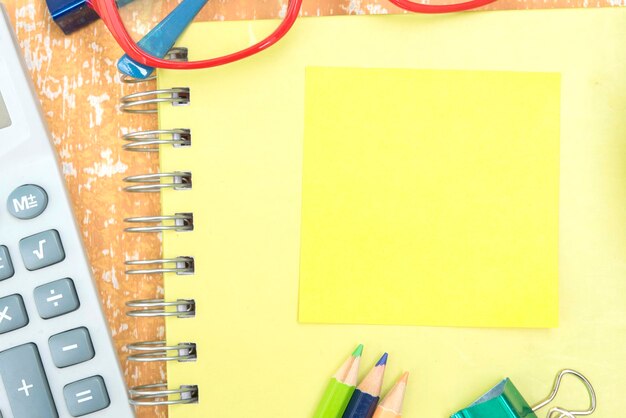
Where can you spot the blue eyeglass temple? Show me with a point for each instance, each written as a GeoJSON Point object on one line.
{"type": "Point", "coordinates": [161, 38]}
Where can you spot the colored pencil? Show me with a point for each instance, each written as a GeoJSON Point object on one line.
{"type": "Point", "coordinates": [391, 406]}
{"type": "Point", "coordinates": [365, 398]}
{"type": "Point", "coordinates": [340, 388]}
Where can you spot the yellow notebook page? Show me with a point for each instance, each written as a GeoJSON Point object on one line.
{"type": "Point", "coordinates": [429, 197]}
{"type": "Point", "coordinates": [255, 359]}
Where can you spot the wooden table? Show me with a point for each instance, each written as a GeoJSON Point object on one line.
{"type": "Point", "coordinates": [79, 88]}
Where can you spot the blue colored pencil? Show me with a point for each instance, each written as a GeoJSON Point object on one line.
{"type": "Point", "coordinates": [367, 394]}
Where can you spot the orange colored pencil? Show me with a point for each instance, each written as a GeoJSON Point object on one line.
{"type": "Point", "coordinates": [391, 406]}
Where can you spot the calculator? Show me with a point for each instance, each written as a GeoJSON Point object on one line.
{"type": "Point", "coordinates": [57, 359]}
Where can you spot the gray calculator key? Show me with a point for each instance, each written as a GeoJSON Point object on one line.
{"type": "Point", "coordinates": [25, 383]}
{"type": "Point", "coordinates": [56, 298]}
{"type": "Point", "coordinates": [27, 201]}
{"type": "Point", "coordinates": [12, 313]}
{"type": "Point", "coordinates": [42, 250]}
{"type": "Point", "coordinates": [71, 347]}
{"type": "Point", "coordinates": [86, 396]}
{"type": "Point", "coordinates": [6, 265]}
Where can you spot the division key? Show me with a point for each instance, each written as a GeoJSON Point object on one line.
{"type": "Point", "coordinates": [25, 383]}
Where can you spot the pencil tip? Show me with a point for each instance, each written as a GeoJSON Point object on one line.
{"type": "Point", "coordinates": [382, 361]}
{"type": "Point", "coordinates": [405, 377]}
{"type": "Point", "coordinates": [358, 351]}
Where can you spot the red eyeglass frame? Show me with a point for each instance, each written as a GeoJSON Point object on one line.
{"type": "Point", "coordinates": [108, 12]}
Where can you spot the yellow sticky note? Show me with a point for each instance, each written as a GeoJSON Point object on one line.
{"type": "Point", "coordinates": [430, 198]}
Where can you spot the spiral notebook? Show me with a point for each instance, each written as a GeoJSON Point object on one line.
{"type": "Point", "coordinates": [236, 217]}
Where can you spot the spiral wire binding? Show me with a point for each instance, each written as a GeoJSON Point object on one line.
{"type": "Point", "coordinates": [154, 183]}
{"type": "Point", "coordinates": [146, 101]}
{"type": "Point", "coordinates": [181, 265]}
{"type": "Point", "coordinates": [150, 141]}
{"type": "Point", "coordinates": [160, 394]}
{"type": "Point", "coordinates": [151, 351]}
{"type": "Point", "coordinates": [151, 308]}
{"type": "Point", "coordinates": [179, 222]}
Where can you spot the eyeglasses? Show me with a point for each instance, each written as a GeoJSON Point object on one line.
{"type": "Point", "coordinates": [147, 29]}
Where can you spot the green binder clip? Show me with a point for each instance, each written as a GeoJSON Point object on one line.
{"type": "Point", "coordinates": [505, 401]}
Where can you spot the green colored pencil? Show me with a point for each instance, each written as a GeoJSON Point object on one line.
{"type": "Point", "coordinates": [340, 388]}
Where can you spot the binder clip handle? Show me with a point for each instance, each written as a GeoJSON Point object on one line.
{"type": "Point", "coordinates": [558, 412]}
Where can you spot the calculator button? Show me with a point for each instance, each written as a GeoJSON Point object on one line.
{"type": "Point", "coordinates": [25, 383]}
{"type": "Point", "coordinates": [42, 250]}
{"type": "Point", "coordinates": [56, 298]}
{"type": "Point", "coordinates": [27, 201]}
{"type": "Point", "coordinates": [86, 396]}
{"type": "Point", "coordinates": [71, 347]}
{"type": "Point", "coordinates": [6, 265]}
{"type": "Point", "coordinates": [12, 313]}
